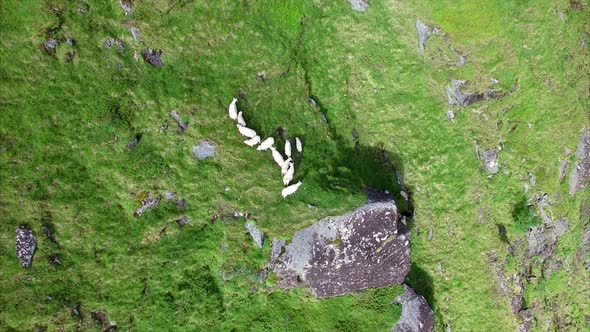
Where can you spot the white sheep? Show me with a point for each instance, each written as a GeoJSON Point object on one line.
{"type": "Point", "coordinates": [277, 156]}
{"type": "Point", "coordinates": [267, 143]}
{"type": "Point", "coordinates": [298, 144]}
{"type": "Point", "coordinates": [233, 109]}
{"type": "Point", "coordinates": [288, 148]}
{"type": "Point", "coordinates": [289, 175]}
{"type": "Point", "coordinates": [252, 141]}
{"type": "Point", "coordinates": [290, 189]}
{"type": "Point", "coordinates": [285, 166]}
{"type": "Point", "coordinates": [250, 133]}
{"type": "Point", "coordinates": [241, 119]}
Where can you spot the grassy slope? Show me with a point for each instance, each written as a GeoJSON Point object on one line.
{"type": "Point", "coordinates": [65, 126]}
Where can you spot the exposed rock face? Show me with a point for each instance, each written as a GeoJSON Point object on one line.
{"type": "Point", "coordinates": [543, 239]}
{"type": "Point", "coordinates": [580, 173]}
{"type": "Point", "coordinates": [181, 124]}
{"type": "Point", "coordinates": [153, 57]}
{"type": "Point", "coordinates": [340, 255]}
{"type": "Point", "coordinates": [359, 5]}
{"type": "Point", "coordinates": [204, 149]}
{"type": "Point", "coordinates": [423, 33]}
{"type": "Point", "coordinates": [416, 313]}
{"type": "Point", "coordinates": [149, 202]}
{"type": "Point", "coordinates": [25, 245]}
{"type": "Point", "coordinates": [256, 234]}
{"type": "Point", "coordinates": [489, 159]}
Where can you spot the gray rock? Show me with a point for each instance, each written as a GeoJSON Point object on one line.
{"type": "Point", "coordinates": [456, 95]}
{"type": "Point", "coordinates": [133, 143]}
{"type": "Point", "coordinates": [462, 60]}
{"type": "Point", "coordinates": [430, 233]}
{"type": "Point", "coordinates": [277, 249]}
{"type": "Point", "coordinates": [580, 174]}
{"type": "Point", "coordinates": [153, 57]}
{"type": "Point", "coordinates": [451, 116]}
{"type": "Point", "coordinates": [359, 5]}
{"type": "Point", "coordinates": [257, 236]}
{"type": "Point", "coordinates": [26, 243]}
{"type": "Point", "coordinates": [489, 159]}
{"type": "Point", "coordinates": [181, 124]}
{"type": "Point", "coordinates": [135, 33]}
{"type": "Point", "coordinates": [204, 149]}
{"type": "Point", "coordinates": [182, 221]}
{"type": "Point", "coordinates": [50, 45]}
{"type": "Point", "coordinates": [543, 239]}
{"type": "Point", "coordinates": [148, 203]}
{"type": "Point", "coordinates": [127, 6]}
{"type": "Point", "coordinates": [563, 164]}
{"type": "Point", "coordinates": [340, 255]}
{"type": "Point", "coordinates": [423, 33]}
{"type": "Point", "coordinates": [114, 42]}
{"type": "Point", "coordinates": [416, 313]}
{"type": "Point", "coordinates": [527, 321]}
{"type": "Point", "coordinates": [170, 195]}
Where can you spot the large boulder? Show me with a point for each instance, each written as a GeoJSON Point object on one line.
{"type": "Point", "coordinates": [366, 248]}
{"type": "Point", "coordinates": [25, 245]}
{"type": "Point", "coordinates": [416, 313]}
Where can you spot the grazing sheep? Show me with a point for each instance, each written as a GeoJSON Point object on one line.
{"type": "Point", "coordinates": [241, 119]}
{"type": "Point", "coordinates": [288, 148]}
{"type": "Point", "coordinates": [285, 166]}
{"type": "Point", "coordinates": [233, 109]}
{"type": "Point", "coordinates": [250, 133]}
{"type": "Point", "coordinates": [277, 156]}
{"type": "Point", "coordinates": [252, 141]}
{"type": "Point", "coordinates": [289, 175]}
{"type": "Point", "coordinates": [267, 143]}
{"type": "Point", "coordinates": [298, 144]}
{"type": "Point", "coordinates": [290, 189]}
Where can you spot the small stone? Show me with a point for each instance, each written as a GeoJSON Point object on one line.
{"type": "Point", "coordinates": [359, 5]}
{"type": "Point", "coordinates": [430, 233]}
{"type": "Point", "coordinates": [204, 149]}
{"type": "Point", "coordinates": [26, 243]}
{"type": "Point", "coordinates": [170, 195]}
{"type": "Point", "coordinates": [127, 6]}
{"type": "Point", "coordinates": [135, 33]}
{"type": "Point", "coordinates": [153, 57]}
{"type": "Point", "coordinates": [494, 81]}
{"type": "Point", "coordinates": [54, 259]}
{"type": "Point", "coordinates": [133, 143]}
{"type": "Point", "coordinates": [226, 189]}
{"type": "Point", "coordinates": [257, 236]}
{"type": "Point", "coordinates": [462, 60]}
{"type": "Point", "coordinates": [149, 202]}
{"type": "Point", "coordinates": [451, 116]}
{"type": "Point", "coordinates": [181, 124]}
{"type": "Point", "coordinates": [182, 221]}
{"type": "Point", "coordinates": [70, 41]}
{"type": "Point", "coordinates": [423, 34]}
{"type": "Point", "coordinates": [50, 45]}
{"type": "Point", "coordinates": [490, 160]}
{"type": "Point", "coordinates": [180, 203]}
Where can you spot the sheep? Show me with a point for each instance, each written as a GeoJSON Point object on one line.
{"type": "Point", "coordinates": [288, 148]}
{"type": "Point", "coordinates": [267, 143]}
{"type": "Point", "coordinates": [241, 119]}
{"type": "Point", "coordinates": [250, 133]}
{"type": "Point", "coordinates": [285, 166]}
{"type": "Point", "coordinates": [298, 145]}
{"type": "Point", "coordinates": [233, 109]}
{"type": "Point", "coordinates": [252, 141]}
{"type": "Point", "coordinates": [289, 175]}
{"type": "Point", "coordinates": [290, 189]}
{"type": "Point", "coordinates": [276, 155]}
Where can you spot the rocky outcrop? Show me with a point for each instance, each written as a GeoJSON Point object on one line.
{"type": "Point", "coordinates": [363, 249]}
{"type": "Point", "coordinates": [543, 239]}
{"type": "Point", "coordinates": [204, 149]}
{"type": "Point", "coordinates": [416, 313]}
{"type": "Point", "coordinates": [580, 173]}
{"type": "Point", "coordinates": [423, 33]}
{"type": "Point", "coordinates": [359, 5]}
{"type": "Point", "coordinates": [26, 243]}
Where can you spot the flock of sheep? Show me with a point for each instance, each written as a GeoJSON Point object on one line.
{"type": "Point", "coordinates": [287, 166]}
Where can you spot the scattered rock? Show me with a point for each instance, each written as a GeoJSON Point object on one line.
{"type": "Point", "coordinates": [340, 255]}
{"type": "Point", "coordinates": [135, 33]}
{"type": "Point", "coordinates": [489, 159]}
{"type": "Point", "coordinates": [451, 116]}
{"type": "Point", "coordinates": [181, 124]}
{"type": "Point", "coordinates": [26, 243]}
{"type": "Point", "coordinates": [423, 33]}
{"type": "Point", "coordinates": [100, 317]}
{"type": "Point", "coordinates": [580, 173]}
{"type": "Point", "coordinates": [50, 45]}
{"type": "Point", "coordinates": [133, 143]}
{"type": "Point", "coordinates": [257, 236]}
{"type": "Point", "coordinates": [457, 97]}
{"type": "Point", "coordinates": [182, 221]}
{"type": "Point", "coordinates": [170, 195]}
{"type": "Point", "coordinates": [416, 313]}
{"type": "Point", "coordinates": [149, 202]}
{"type": "Point", "coordinates": [563, 164]}
{"type": "Point", "coordinates": [127, 6]}
{"type": "Point", "coordinates": [180, 203]}
{"type": "Point", "coordinates": [204, 149]}
{"type": "Point", "coordinates": [430, 233]}
{"type": "Point", "coordinates": [462, 60]}
{"type": "Point", "coordinates": [114, 42]}
{"type": "Point", "coordinates": [77, 311]}
{"type": "Point", "coordinates": [153, 57]}
{"type": "Point", "coordinates": [494, 81]}
{"type": "Point", "coordinates": [359, 5]}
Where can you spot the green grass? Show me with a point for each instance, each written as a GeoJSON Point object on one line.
{"type": "Point", "coordinates": [65, 125]}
